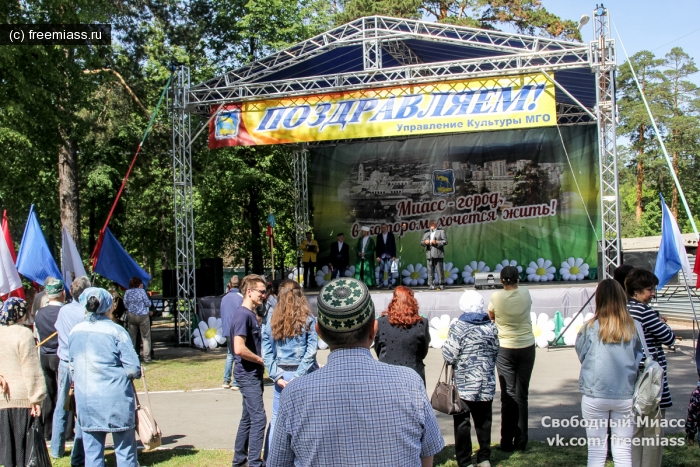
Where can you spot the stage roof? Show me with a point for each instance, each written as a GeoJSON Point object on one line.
{"type": "Point", "coordinates": [375, 52]}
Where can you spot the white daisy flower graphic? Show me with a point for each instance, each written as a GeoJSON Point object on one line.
{"type": "Point", "coordinates": [321, 344]}
{"type": "Point", "coordinates": [323, 276]}
{"type": "Point", "coordinates": [297, 276]}
{"type": "Point", "coordinates": [540, 271]}
{"type": "Point", "coordinates": [450, 273]}
{"type": "Point", "coordinates": [380, 276]}
{"type": "Point", "coordinates": [439, 327]}
{"type": "Point", "coordinates": [209, 334]}
{"type": "Point", "coordinates": [414, 275]}
{"type": "Point", "coordinates": [471, 269]}
{"type": "Point", "coordinates": [505, 263]}
{"type": "Point", "coordinates": [573, 269]}
{"type": "Point", "coordinates": [572, 332]}
{"type": "Point", "coordinates": [542, 328]}
{"type": "Point", "coordinates": [350, 272]}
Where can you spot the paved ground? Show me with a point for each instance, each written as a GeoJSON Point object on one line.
{"type": "Point", "coordinates": [209, 418]}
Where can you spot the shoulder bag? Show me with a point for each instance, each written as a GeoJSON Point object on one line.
{"type": "Point", "coordinates": [649, 384]}
{"type": "Point", "coordinates": [445, 397]}
{"type": "Point", "coordinates": [146, 425]}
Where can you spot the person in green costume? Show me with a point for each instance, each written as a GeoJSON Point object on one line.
{"type": "Point", "coordinates": [364, 267]}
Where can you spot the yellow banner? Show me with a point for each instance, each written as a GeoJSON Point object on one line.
{"type": "Point", "coordinates": [434, 108]}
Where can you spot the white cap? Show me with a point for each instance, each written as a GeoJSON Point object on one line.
{"type": "Point", "coordinates": [365, 229]}
{"type": "Point", "coordinates": [471, 302]}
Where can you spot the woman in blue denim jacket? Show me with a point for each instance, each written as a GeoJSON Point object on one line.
{"type": "Point", "coordinates": [610, 352]}
{"type": "Point", "coordinates": [103, 363]}
{"type": "Point", "coordinates": [289, 343]}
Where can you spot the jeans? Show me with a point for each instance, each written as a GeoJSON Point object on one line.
{"type": "Point", "coordinates": [251, 429]}
{"type": "Point", "coordinates": [49, 365]}
{"type": "Point", "coordinates": [142, 323]}
{"type": "Point", "coordinates": [124, 448]}
{"type": "Point", "coordinates": [384, 272]}
{"type": "Point", "coordinates": [61, 419]}
{"type": "Point", "coordinates": [594, 408]}
{"type": "Point", "coordinates": [287, 376]}
{"type": "Point", "coordinates": [435, 265]}
{"type": "Point", "coordinates": [481, 412]}
{"type": "Point", "coordinates": [228, 368]}
{"type": "Point", "coordinates": [514, 371]}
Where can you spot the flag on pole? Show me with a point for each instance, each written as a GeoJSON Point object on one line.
{"type": "Point", "coordinates": [19, 292]}
{"type": "Point", "coordinates": [696, 270]}
{"type": "Point", "coordinates": [672, 256]}
{"type": "Point", "coordinates": [71, 264]}
{"type": "Point", "coordinates": [34, 260]}
{"type": "Point", "coordinates": [114, 263]}
{"type": "Point", "coordinates": [9, 278]}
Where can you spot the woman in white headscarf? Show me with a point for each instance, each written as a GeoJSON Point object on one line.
{"type": "Point", "coordinates": [103, 363]}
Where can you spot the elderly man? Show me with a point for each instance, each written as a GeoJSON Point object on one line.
{"type": "Point", "coordinates": [355, 411]}
{"type": "Point", "coordinates": [434, 241]}
{"type": "Point", "coordinates": [364, 266]}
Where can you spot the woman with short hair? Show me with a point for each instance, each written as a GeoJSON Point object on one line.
{"type": "Point", "coordinates": [403, 336]}
{"type": "Point", "coordinates": [22, 386]}
{"type": "Point", "coordinates": [138, 307]}
{"type": "Point", "coordinates": [610, 351]}
{"type": "Point", "coordinates": [510, 310]}
{"type": "Point", "coordinates": [104, 364]}
{"type": "Point", "coordinates": [289, 343]}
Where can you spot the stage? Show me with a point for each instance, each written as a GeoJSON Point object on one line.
{"type": "Point", "coordinates": [548, 298]}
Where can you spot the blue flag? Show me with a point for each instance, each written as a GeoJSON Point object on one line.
{"type": "Point", "coordinates": [34, 260]}
{"type": "Point", "coordinates": [672, 255]}
{"type": "Point", "coordinates": [114, 263]}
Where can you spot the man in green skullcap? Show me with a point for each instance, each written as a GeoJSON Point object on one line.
{"type": "Point", "coordinates": [341, 405]}
{"type": "Point", "coordinates": [44, 324]}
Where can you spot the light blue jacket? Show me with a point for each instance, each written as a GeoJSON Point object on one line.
{"type": "Point", "coordinates": [103, 364]}
{"type": "Point", "coordinates": [608, 371]}
{"type": "Point", "coordinates": [299, 350]}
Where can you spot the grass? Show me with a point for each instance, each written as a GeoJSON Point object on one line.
{"type": "Point", "coordinates": [538, 454]}
{"type": "Point", "coordinates": [192, 369]}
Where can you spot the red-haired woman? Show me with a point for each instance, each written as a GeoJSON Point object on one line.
{"type": "Point", "coordinates": [402, 336]}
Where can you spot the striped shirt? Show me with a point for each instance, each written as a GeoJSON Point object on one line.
{"type": "Point", "coordinates": [656, 333]}
{"type": "Point", "coordinates": [355, 412]}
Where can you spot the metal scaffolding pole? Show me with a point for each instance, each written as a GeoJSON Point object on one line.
{"type": "Point", "coordinates": [301, 198]}
{"type": "Point", "coordinates": [603, 62]}
{"type": "Point", "coordinates": [183, 204]}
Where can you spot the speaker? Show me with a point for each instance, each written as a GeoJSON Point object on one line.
{"type": "Point", "coordinates": [169, 277]}
{"type": "Point", "coordinates": [210, 277]}
{"type": "Point", "coordinates": [487, 280]}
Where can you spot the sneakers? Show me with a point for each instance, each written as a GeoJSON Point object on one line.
{"type": "Point", "coordinates": [432, 287]}
{"type": "Point", "coordinates": [484, 464]}
{"type": "Point", "coordinates": [226, 385]}
{"type": "Point", "coordinates": [235, 387]}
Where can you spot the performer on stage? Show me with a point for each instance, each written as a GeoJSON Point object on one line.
{"type": "Point", "coordinates": [339, 257]}
{"type": "Point", "coordinates": [364, 267]}
{"type": "Point", "coordinates": [386, 254]}
{"type": "Point", "coordinates": [434, 241]}
{"type": "Point", "coordinates": [309, 249]}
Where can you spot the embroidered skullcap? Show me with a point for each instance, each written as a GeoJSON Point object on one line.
{"type": "Point", "coordinates": [54, 287]}
{"type": "Point", "coordinates": [471, 302]}
{"type": "Point", "coordinates": [96, 300]}
{"type": "Point", "coordinates": [13, 310]}
{"type": "Point", "coordinates": [344, 305]}
{"type": "Point", "coordinates": [365, 228]}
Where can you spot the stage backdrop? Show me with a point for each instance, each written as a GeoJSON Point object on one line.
{"type": "Point", "coordinates": [500, 195]}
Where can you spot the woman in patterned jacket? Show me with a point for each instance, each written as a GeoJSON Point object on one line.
{"type": "Point", "coordinates": [472, 347]}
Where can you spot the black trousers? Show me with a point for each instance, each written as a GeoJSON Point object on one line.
{"type": "Point", "coordinates": [49, 365]}
{"type": "Point", "coordinates": [514, 371]}
{"type": "Point", "coordinates": [481, 412]}
{"type": "Point", "coordinates": [310, 274]}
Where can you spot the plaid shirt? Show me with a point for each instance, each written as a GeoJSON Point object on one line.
{"type": "Point", "coordinates": [355, 412]}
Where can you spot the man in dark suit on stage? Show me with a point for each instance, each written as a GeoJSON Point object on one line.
{"type": "Point", "coordinates": [434, 241]}
{"type": "Point", "coordinates": [339, 257]}
{"type": "Point", "coordinates": [386, 254]}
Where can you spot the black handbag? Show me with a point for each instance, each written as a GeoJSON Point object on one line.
{"type": "Point", "coordinates": [445, 397]}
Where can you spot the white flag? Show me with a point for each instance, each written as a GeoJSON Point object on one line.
{"type": "Point", "coordinates": [71, 265]}
{"type": "Point", "coordinates": [9, 277]}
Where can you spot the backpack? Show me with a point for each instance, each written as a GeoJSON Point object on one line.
{"type": "Point", "coordinates": [649, 384]}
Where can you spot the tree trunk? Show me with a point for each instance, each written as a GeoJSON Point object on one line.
{"type": "Point", "coordinates": [68, 188]}
{"type": "Point", "coordinates": [638, 209]}
{"type": "Point", "coordinates": [255, 230]}
{"type": "Point", "coordinates": [674, 197]}
{"type": "Point", "coordinates": [92, 226]}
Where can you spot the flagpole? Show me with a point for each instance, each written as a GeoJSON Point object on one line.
{"type": "Point", "coordinates": [692, 306]}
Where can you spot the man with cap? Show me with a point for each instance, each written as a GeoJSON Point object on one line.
{"type": "Point", "coordinates": [44, 324]}
{"type": "Point", "coordinates": [364, 266]}
{"type": "Point", "coordinates": [434, 241]}
{"type": "Point", "coordinates": [355, 410]}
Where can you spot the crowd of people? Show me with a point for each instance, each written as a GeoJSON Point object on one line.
{"type": "Point", "coordinates": [356, 410]}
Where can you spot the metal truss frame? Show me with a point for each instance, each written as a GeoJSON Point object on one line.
{"type": "Point", "coordinates": [603, 61]}
{"type": "Point", "coordinates": [183, 206]}
{"type": "Point", "coordinates": [301, 193]}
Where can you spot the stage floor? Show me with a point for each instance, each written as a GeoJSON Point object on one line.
{"type": "Point", "coordinates": [548, 298]}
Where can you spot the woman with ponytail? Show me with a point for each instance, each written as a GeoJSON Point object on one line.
{"type": "Point", "coordinates": [103, 363]}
